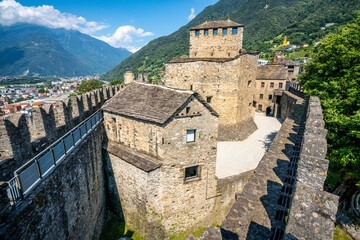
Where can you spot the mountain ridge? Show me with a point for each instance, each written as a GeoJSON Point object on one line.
{"type": "Point", "coordinates": [73, 53]}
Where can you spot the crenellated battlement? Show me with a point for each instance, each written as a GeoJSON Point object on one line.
{"type": "Point", "coordinates": [22, 136]}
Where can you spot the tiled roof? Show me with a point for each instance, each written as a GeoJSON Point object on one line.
{"type": "Point", "coordinates": [147, 102]}
{"type": "Point", "coordinates": [142, 161]}
{"type": "Point", "coordinates": [217, 24]}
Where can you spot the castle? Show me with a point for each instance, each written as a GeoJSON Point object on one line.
{"type": "Point", "coordinates": [151, 150]}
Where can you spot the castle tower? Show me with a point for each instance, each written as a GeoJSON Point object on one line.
{"type": "Point", "coordinates": [216, 39]}
{"type": "Point", "coordinates": [128, 77]}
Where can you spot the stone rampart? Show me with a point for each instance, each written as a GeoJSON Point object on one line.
{"type": "Point", "coordinates": [313, 211]}
{"type": "Point", "coordinates": [68, 204]}
{"type": "Point", "coordinates": [22, 136]}
{"type": "Point", "coordinates": [284, 198]}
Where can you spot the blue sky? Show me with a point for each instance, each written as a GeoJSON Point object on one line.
{"type": "Point", "coordinates": [130, 24]}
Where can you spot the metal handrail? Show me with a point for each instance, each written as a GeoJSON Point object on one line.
{"type": "Point", "coordinates": [37, 168]}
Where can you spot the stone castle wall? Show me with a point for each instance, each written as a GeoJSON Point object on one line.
{"type": "Point", "coordinates": [216, 46]}
{"type": "Point", "coordinates": [21, 137]}
{"type": "Point", "coordinates": [284, 197]}
{"type": "Point", "coordinates": [68, 204]}
{"type": "Point", "coordinates": [229, 84]}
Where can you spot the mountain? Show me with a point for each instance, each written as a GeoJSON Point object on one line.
{"type": "Point", "coordinates": [300, 20]}
{"type": "Point", "coordinates": [37, 50]}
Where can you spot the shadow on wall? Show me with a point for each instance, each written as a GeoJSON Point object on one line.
{"type": "Point", "coordinates": [113, 202]}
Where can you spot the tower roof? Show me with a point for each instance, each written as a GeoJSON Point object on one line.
{"type": "Point", "coordinates": [217, 24]}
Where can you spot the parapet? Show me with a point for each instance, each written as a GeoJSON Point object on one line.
{"type": "Point", "coordinates": [22, 136]}
{"type": "Point", "coordinates": [313, 211]}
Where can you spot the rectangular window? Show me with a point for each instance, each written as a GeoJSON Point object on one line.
{"type": "Point", "coordinates": [262, 84]}
{"type": "Point", "coordinates": [270, 97]}
{"type": "Point", "coordinates": [197, 32]}
{"type": "Point", "coordinates": [224, 31]}
{"type": "Point", "coordinates": [249, 83]}
{"type": "Point", "coordinates": [280, 85]}
{"type": "Point", "coordinates": [261, 96]}
{"type": "Point", "coordinates": [191, 172]}
{"type": "Point", "coordinates": [215, 31]}
{"type": "Point", "coordinates": [206, 32]}
{"type": "Point", "coordinates": [208, 99]}
{"type": "Point", "coordinates": [260, 107]}
{"type": "Point", "coordinates": [190, 135]}
{"type": "Point", "coordinates": [234, 30]}
{"type": "Point", "coordinates": [271, 85]}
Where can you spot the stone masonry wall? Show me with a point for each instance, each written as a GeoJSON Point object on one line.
{"type": "Point", "coordinates": [313, 211]}
{"type": "Point", "coordinates": [216, 46]}
{"type": "Point", "coordinates": [21, 139]}
{"type": "Point", "coordinates": [266, 91]}
{"type": "Point", "coordinates": [230, 85]}
{"type": "Point", "coordinates": [161, 203]}
{"type": "Point", "coordinates": [68, 204]}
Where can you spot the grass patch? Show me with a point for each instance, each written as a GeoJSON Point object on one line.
{"type": "Point", "coordinates": [339, 234]}
{"type": "Point", "coordinates": [115, 228]}
{"type": "Point", "coordinates": [195, 232]}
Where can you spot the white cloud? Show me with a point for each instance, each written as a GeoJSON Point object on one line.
{"type": "Point", "coordinates": [12, 12]}
{"type": "Point", "coordinates": [124, 35]}
{"type": "Point", "coordinates": [192, 14]}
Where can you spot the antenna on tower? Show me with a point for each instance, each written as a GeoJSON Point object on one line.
{"type": "Point", "coordinates": [228, 18]}
{"type": "Point", "coordinates": [206, 20]}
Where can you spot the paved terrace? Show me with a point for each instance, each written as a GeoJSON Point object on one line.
{"type": "Point", "coordinates": [237, 157]}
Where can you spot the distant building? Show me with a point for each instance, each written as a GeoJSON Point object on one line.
{"type": "Point", "coordinates": [262, 62]}
{"type": "Point", "coordinates": [270, 83]}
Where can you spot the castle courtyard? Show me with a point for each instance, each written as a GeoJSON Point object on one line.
{"type": "Point", "coordinates": [237, 157]}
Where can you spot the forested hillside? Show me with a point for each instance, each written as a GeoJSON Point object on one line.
{"type": "Point", "coordinates": [36, 50]}
{"type": "Point", "coordinates": [264, 20]}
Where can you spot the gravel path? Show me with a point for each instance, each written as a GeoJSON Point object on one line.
{"type": "Point", "coordinates": [237, 157]}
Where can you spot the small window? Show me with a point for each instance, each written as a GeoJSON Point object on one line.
{"type": "Point", "coordinates": [234, 30]}
{"type": "Point", "coordinates": [270, 97]}
{"type": "Point", "coordinates": [280, 85]}
{"type": "Point", "coordinates": [191, 172]}
{"type": "Point", "coordinates": [260, 107]}
{"type": "Point", "coordinates": [224, 31]}
{"type": "Point", "coordinates": [191, 87]}
{"type": "Point", "coordinates": [249, 83]}
{"type": "Point", "coordinates": [215, 31]}
{"type": "Point", "coordinates": [197, 32]}
{"type": "Point", "coordinates": [187, 110]}
{"type": "Point", "coordinates": [208, 99]}
{"type": "Point", "coordinates": [271, 85]}
{"type": "Point", "coordinates": [262, 84]}
{"type": "Point", "coordinates": [261, 96]}
{"type": "Point", "coordinates": [190, 135]}
{"type": "Point", "coordinates": [206, 32]}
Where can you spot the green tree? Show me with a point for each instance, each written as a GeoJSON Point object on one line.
{"type": "Point", "coordinates": [116, 82]}
{"type": "Point", "coordinates": [89, 85]}
{"type": "Point", "coordinates": [41, 90]}
{"type": "Point", "coordinates": [334, 76]}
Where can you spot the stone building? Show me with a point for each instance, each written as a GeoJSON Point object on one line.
{"type": "Point", "coordinates": [162, 151]}
{"type": "Point", "coordinates": [221, 74]}
{"type": "Point", "coordinates": [270, 83]}
{"type": "Point", "coordinates": [292, 67]}
{"type": "Point", "coordinates": [216, 39]}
